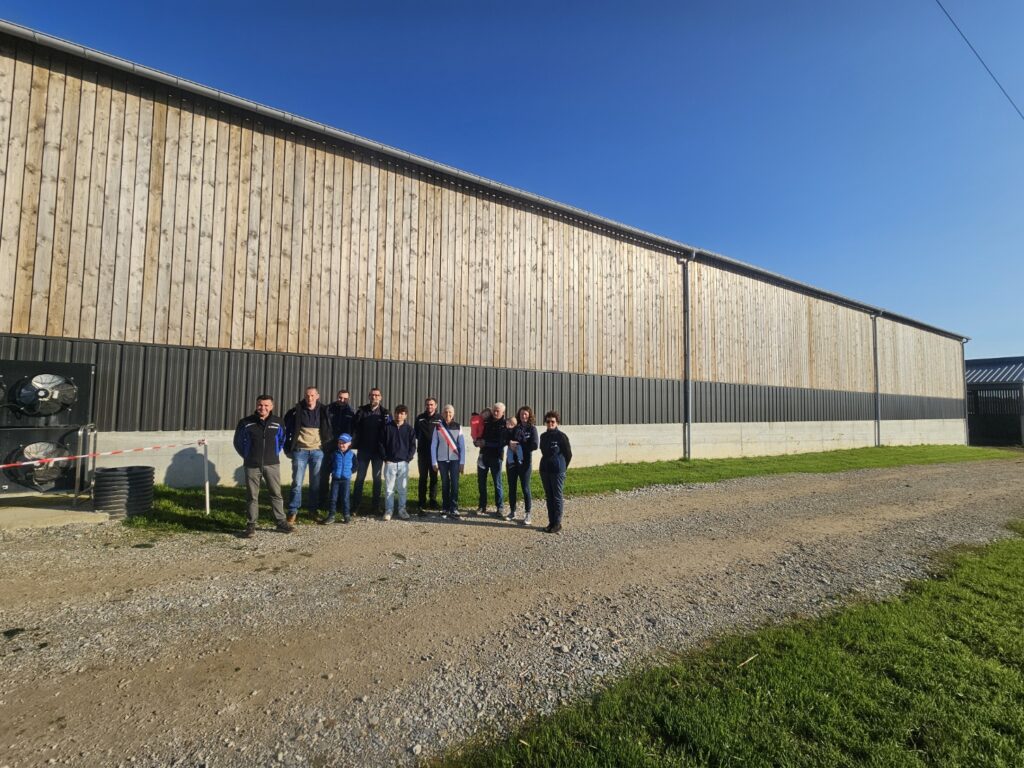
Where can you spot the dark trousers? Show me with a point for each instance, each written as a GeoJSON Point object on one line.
{"type": "Point", "coordinates": [491, 467]}
{"type": "Point", "coordinates": [339, 491]}
{"type": "Point", "coordinates": [553, 483]}
{"type": "Point", "coordinates": [271, 474]}
{"type": "Point", "coordinates": [363, 461]}
{"type": "Point", "coordinates": [427, 473]}
{"type": "Point", "coordinates": [519, 473]}
{"type": "Point", "coordinates": [326, 473]}
{"type": "Point", "coordinates": [449, 471]}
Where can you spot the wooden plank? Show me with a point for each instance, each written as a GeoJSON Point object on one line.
{"type": "Point", "coordinates": [140, 214]}
{"type": "Point", "coordinates": [151, 257]}
{"type": "Point", "coordinates": [111, 210]}
{"type": "Point", "coordinates": [204, 255]}
{"type": "Point", "coordinates": [454, 271]}
{"type": "Point", "coordinates": [125, 210]}
{"type": "Point", "coordinates": [168, 212]}
{"type": "Point", "coordinates": [228, 274]}
{"type": "Point", "coordinates": [79, 208]}
{"type": "Point", "coordinates": [8, 59]}
{"type": "Point", "coordinates": [277, 319]}
{"type": "Point", "coordinates": [345, 211]}
{"type": "Point", "coordinates": [218, 254]}
{"type": "Point", "coordinates": [94, 223]}
{"type": "Point", "coordinates": [245, 183]}
{"type": "Point", "coordinates": [193, 219]}
{"type": "Point", "coordinates": [252, 236]}
{"type": "Point", "coordinates": [411, 306]}
{"type": "Point", "coordinates": [393, 273]}
{"type": "Point", "coordinates": [368, 300]}
{"type": "Point", "coordinates": [316, 248]}
{"type": "Point", "coordinates": [296, 326]}
{"type": "Point", "coordinates": [356, 272]}
{"type": "Point", "coordinates": [306, 286]}
{"type": "Point", "coordinates": [47, 204]}
{"type": "Point", "coordinates": [385, 182]}
{"type": "Point", "coordinates": [329, 271]}
{"type": "Point", "coordinates": [30, 194]}
{"type": "Point", "coordinates": [264, 276]}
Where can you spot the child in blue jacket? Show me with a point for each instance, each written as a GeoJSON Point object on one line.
{"type": "Point", "coordinates": [344, 460]}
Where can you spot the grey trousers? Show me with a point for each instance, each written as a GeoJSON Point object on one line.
{"type": "Point", "coordinates": [272, 474]}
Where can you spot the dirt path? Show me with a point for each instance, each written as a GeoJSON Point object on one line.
{"type": "Point", "coordinates": [377, 642]}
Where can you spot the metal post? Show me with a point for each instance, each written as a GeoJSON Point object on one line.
{"type": "Point", "coordinates": [878, 390]}
{"type": "Point", "coordinates": [687, 373]}
{"type": "Point", "coordinates": [206, 474]}
{"type": "Point", "coordinates": [963, 369]}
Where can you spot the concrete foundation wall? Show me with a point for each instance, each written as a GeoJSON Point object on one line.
{"type": "Point", "coordinates": [924, 432]}
{"type": "Point", "coordinates": [715, 441]}
{"type": "Point", "coordinates": [592, 445]}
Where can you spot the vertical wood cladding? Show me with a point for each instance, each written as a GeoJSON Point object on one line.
{"type": "Point", "coordinates": [915, 362]}
{"type": "Point", "coordinates": [132, 213]}
{"type": "Point", "coordinates": [745, 330]}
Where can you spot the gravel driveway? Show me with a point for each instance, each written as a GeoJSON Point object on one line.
{"type": "Point", "coordinates": [382, 643]}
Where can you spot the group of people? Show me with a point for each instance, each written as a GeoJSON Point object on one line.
{"type": "Point", "coordinates": [337, 445]}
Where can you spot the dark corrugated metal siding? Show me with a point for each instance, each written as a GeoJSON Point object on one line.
{"type": "Point", "coordinates": [150, 388]}
{"type": "Point", "coordinates": [995, 370]}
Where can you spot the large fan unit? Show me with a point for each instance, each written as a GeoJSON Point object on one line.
{"type": "Point", "coordinates": [35, 393]}
{"type": "Point", "coordinates": [40, 477]}
{"type": "Point", "coordinates": [45, 394]}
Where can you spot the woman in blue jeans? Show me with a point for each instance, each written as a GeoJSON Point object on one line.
{"type": "Point", "coordinates": [448, 457]}
{"type": "Point", "coordinates": [519, 464]}
{"type": "Point", "coordinates": [555, 455]}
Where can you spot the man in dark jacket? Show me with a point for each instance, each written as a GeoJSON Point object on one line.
{"type": "Point", "coordinates": [308, 428]}
{"type": "Point", "coordinates": [492, 455]}
{"type": "Point", "coordinates": [342, 418]}
{"type": "Point", "coordinates": [259, 439]}
{"type": "Point", "coordinates": [426, 423]}
{"type": "Point", "coordinates": [367, 429]}
{"type": "Point", "coordinates": [399, 444]}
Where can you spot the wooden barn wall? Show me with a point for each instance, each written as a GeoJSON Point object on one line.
{"type": "Point", "coordinates": [136, 214]}
{"type": "Point", "coordinates": [750, 331]}
{"type": "Point", "coordinates": [916, 362]}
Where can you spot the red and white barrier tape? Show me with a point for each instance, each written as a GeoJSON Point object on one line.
{"type": "Point", "coordinates": [94, 455]}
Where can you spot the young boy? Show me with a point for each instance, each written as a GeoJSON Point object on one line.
{"type": "Point", "coordinates": [344, 459]}
{"type": "Point", "coordinates": [399, 443]}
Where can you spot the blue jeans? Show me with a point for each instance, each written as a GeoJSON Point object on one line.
{"type": "Point", "coordinates": [492, 466]}
{"type": "Point", "coordinates": [300, 460]}
{"type": "Point", "coordinates": [449, 485]}
{"type": "Point", "coordinates": [396, 479]}
{"type": "Point", "coordinates": [520, 472]}
{"type": "Point", "coordinates": [553, 483]}
{"type": "Point", "coordinates": [363, 462]}
{"type": "Point", "coordinates": [339, 490]}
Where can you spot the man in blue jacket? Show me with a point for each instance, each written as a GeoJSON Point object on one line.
{"type": "Point", "coordinates": [259, 439]}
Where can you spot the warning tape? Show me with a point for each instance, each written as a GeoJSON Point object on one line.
{"type": "Point", "coordinates": [56, 459]}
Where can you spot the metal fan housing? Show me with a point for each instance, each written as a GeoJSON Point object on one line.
{"type": "Point", "coordinates": [46, 394]}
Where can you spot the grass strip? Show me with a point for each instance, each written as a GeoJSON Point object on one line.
{"type": "Point", "coordinates": [933, 678]}
{"type": "Point", "coordinates": [177, 509]}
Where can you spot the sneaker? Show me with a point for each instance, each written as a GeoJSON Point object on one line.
{"type": "Point", "coordinates": [403, 515]}
{"type": "Point", "coordinates": [528, 520]}
{"type": "Point", "coordinates": [285, 528]}
{"type": "Point", "coordinates": [387, 515]}
{"type": "Point", "coordinates": [511, 515]}
{"type": "Point", "coordinates": [326, 521]}
{"type": "Point", "coordinates": [347, 519]}
{"type": "Point", "coordinates": [250, 531]}
{"type": "Point", "coordinates": [455, 513]}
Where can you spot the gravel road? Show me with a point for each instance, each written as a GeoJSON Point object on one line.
{"type": "Point", "coordinates": [385, 643]}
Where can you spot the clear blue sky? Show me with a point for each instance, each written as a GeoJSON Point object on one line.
{"type": "Point", "coordinates": [859, 147]}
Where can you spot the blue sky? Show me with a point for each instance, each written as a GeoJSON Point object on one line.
{"type": "Point", "coordinates": [858, 147]}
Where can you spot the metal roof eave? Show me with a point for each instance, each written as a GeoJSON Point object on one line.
{"type": "Point", "coordinates": [683, 250]}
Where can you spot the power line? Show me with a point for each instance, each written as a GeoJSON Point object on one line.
{"type": "Point", "coordinates": [975, 51]}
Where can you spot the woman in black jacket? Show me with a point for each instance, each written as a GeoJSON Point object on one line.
{"type": "Point", "coordinates": [523, 441]}
{"type": "Point", "coordinates": [555, 455]}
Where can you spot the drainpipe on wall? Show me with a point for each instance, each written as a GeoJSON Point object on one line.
{"type": "Point", "coordinates": [878, 390]}
{"type": "Point", "coordinates": [687, 376]}
{"type": "Point", "coordinates": [963, 369]}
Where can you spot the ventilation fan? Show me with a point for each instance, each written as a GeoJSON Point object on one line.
{"type": "Point", "coordinates": [41, 477]}
{"type": "Point", "coordinates": [45, 394]}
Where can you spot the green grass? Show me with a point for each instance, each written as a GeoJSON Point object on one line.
{"type": "Point", "coordinates": [183, 509]}
{"type": "Point", "coordinates": [935, 678]}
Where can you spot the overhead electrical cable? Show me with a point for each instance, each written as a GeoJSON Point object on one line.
{"type": "Point", "coordinates": [975, 51]}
